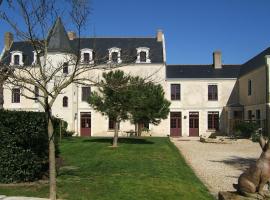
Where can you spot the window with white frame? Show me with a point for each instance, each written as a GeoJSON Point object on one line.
{"type": "Point", "coordinates": [16, 96]}
{"type": "Point", "coordinates": [87, 56]}
{"type": "Point", "coordinates": [143, 55]}
{"type": "Point", "coordinates": [16, 58]}
{"type": "Point", "coordinates": [115, 55]}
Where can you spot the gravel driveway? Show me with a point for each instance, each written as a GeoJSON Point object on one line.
{"type": "Point", "coordinates": [218, 165]}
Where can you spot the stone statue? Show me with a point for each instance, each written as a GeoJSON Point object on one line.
{"type": "Point", "coordinates": [253, 180]}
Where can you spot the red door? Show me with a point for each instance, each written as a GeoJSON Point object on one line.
{"type": "Point", "coordinates": [85, 124]}
{"type": "Point", "coordinates": [194, 124]}
{"type": "Point", "coordinates": [176, 123]}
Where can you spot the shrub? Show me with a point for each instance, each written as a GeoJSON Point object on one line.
{"type": "Point", "coordinates": [246, 129]}
{"type": "Point", "coordinates": [24, 146]}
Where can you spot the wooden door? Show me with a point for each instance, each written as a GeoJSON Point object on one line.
{"type": "Point", "coordinates": [194, 124]}
{"type": "Point", "coordinates": [85, 124]}
{"type": "Point", "coordinates": [176, 124]}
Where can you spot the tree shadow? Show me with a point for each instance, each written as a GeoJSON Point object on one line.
{"type": "Point", "coordinates": [120, 140]}
{"type": "Point", "coordinates": [239, 163]}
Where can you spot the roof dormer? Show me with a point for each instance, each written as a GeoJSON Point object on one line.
{"type": "Point", "coordinates": [16, 58]}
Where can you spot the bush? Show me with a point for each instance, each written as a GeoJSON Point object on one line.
{"type": "Point", "coordinates": [24, 146]}
{"type": "Point", "coordinates": [246, 129]}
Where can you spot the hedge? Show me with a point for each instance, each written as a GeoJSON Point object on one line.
{"type": "Point", "coordinates": [24, 146]}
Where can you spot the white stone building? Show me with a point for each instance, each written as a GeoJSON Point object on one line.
{"type": "Point", "coordinates": [204, 98]}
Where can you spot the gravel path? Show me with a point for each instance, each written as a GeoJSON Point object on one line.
{"type": "Point", "coordinates": [218, 165]}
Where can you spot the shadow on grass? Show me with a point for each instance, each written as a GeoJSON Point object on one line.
{"type": "Point", "coordinates": [120, 140]}
{"type": "Point", "coordinates": [238, 162]}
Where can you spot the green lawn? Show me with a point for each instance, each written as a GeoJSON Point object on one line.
{"type": "Point", "coordinates": [147, 168]}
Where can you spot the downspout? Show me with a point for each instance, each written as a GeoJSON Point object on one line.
{"type": "Point", "coordinates": [267, 104]}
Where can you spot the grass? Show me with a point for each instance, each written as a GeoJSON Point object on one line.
{"type": "Point", "coordinates": [145, 169]}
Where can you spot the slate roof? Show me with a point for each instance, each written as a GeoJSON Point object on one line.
{"type": "Point", "coordinates": [58, 41]}
{"type": "Point", "coordinates": [255, 62]}
{"type": "Point", "coordinates": [202, 71]}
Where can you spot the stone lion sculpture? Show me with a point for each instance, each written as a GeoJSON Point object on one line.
{"type": "Point", "coordinates": [252, 181]}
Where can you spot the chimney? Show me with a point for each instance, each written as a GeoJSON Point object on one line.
{"type": "Point", "coordinates": [217, 60]}
{"type": "Point", "coordinates": [8, 40]}
{"type": "Point", "coordinates": [71, 35]}
{"type": "Point", "coordinates": [159, 35]}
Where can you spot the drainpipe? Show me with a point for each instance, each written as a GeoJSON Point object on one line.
{"type": "Point", "coordinates": [267, 104]}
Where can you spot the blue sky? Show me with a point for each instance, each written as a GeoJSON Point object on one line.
{"type": "Point", "coordinates": [193, 28]}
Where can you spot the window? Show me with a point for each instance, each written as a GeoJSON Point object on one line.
{"type": "Point", "coordinates": [249, 115]}
{"type": "Point", "coordinates": [65, 68]}
{"type": "Point", "coordinates": [213, 120]}
{"type": "Point", "coordinates": [16, 97]}
{"type": "Point", "coordinates": [115, 55]}
{"type": "Point", "coordinates": [86, 92]}
{"type": "Point", "coordinates": [212, 92]}
{"type": "Point", "coordinates": [65, 101]}
{"type": "Point", "coordinates": [175, 92]}
{"type": "Point", "coordinates": [16, 58]}
{"type": "Point", "coordinates": [112, 124]}
{"type": "Point", "coordinates": [86, 57]}
{"type": "Point", "coordinates": [36, 92]}
{"type": "Point", "coordinates": [237, 114]}
{"type": "Point", "coordinates": [258, 114]}
{"type": "Point", "coordinates": [249, 87]}
{"type": "Point", "coordinates": [143, 55]}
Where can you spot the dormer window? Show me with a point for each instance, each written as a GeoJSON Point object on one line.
{"type": "Point", "coordinates": [65, 68]}
{"type": "Point", "coordinates": [16, 58]}
{"type": "Point", "coordinates": [87, 56]}
{"type": "Point", "coordinates": [143, 55]}
{"type": "Point", "coordinates": [115, 55]}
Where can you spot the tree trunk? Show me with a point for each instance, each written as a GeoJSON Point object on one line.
{"type": "Point", "coordinates": [139, 129]}
{"type": "Point", "coordinates": [1, 96]}
{"type": "Point", "coordinates": [52, 172]}
{"type": "Point", "coordinates": [115, 138]}
{"type": "Point", "coordinates": [136, 129]}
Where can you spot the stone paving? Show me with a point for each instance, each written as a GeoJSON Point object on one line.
{"type": "Point", "coordinates": [218, 165]}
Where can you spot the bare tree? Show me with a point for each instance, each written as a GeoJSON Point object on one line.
{"type": "Point", "coordinates": [37, 16]}
{"type": "Point", "coordinates": [3, 77]}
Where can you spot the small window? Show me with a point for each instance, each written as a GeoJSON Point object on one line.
{"type": "Point", "coordinates": [16, 97]}
{"type": "Point", "coordinates": [249, 87]}
{"type": "Point", "coordinates": [36, 92]}
{"type": "Point", "coordinates": [86, 92]}
{"type": "Point", "coordinates": [213, 120]}
{"type": "Point", "coordinates": [112, 124]}
{"type": "Point", "coordinates": [212, 92]}
{"type": "Point", "coordinates": [16, 59]}
{"type": "Point", "coordinates": [65, 101]}
{"type": "Point", "coordinates": [65, 68]}
{"type": "Point", "coordinates": [114, 57]}
{"type": "Point", "coordinates": [258, 114]}
{"type": "Point", "coordinates": [249, 115]}
{"type": "Point", "coordinates": [86, 57]}
{"type": "Point", "coordinates": [175, 92]}
{"type": "Point", "coordinates": [142, 56]}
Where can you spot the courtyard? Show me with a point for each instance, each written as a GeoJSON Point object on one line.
{"type": "Point", "coordinates": [218, 165]}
